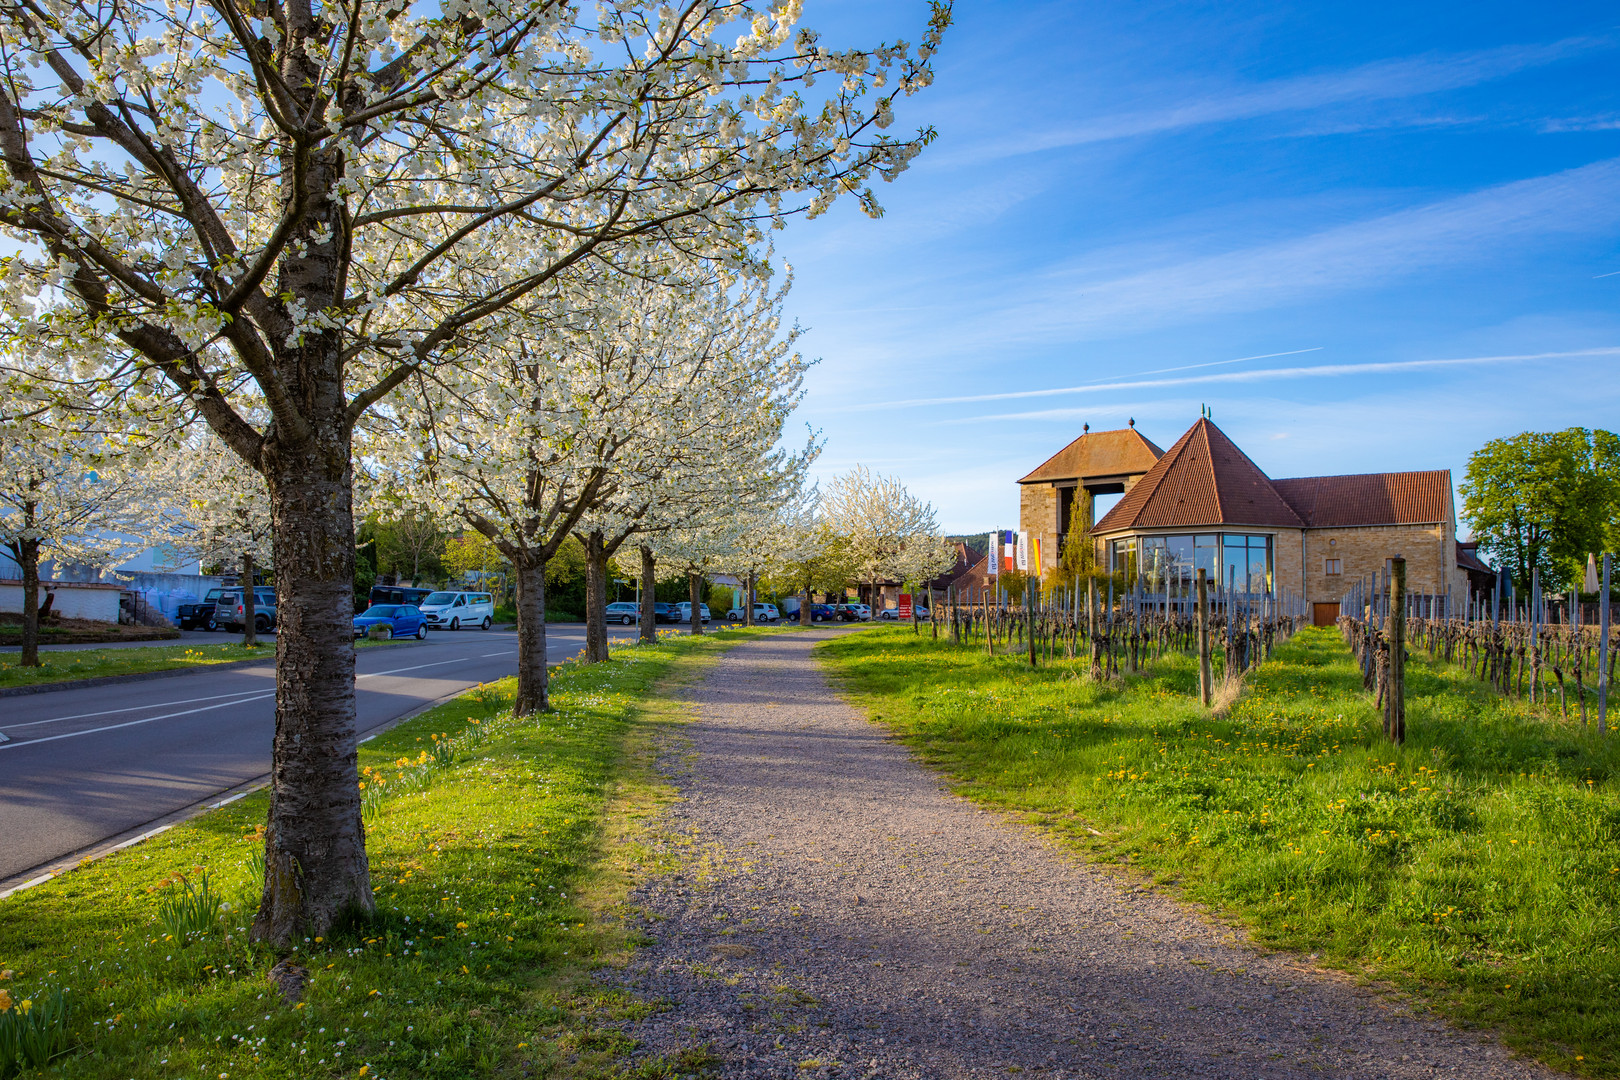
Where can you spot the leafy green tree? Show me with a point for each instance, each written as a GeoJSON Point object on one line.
{"type": "Point", "coordinates": [1542, 500]}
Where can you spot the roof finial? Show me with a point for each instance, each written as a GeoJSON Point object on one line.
{"type": "Point", "coordinates": [1085, 428]}
{"type": "Point", "coordinates": [1133, 421]}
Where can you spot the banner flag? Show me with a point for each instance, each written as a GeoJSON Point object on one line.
{"type": "Point", "coordinates": [1023, 550]}
{"type": "Point", "coordinates": [992, 555]}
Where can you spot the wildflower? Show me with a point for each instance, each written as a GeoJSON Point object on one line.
{"type": "Point", "coordinates": [25, 1006]}
{"type": "Point", "coordinates": [5, 1001]}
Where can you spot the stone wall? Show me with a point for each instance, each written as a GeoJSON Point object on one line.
{"type": "Point", "coordinates": [1037, 515]}
{"type": "Point", "coordinates": [1430, 551]}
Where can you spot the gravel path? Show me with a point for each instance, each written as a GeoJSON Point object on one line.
{"type": "Point", "coordinates": [838, 913]}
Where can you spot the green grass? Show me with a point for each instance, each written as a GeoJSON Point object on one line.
{"type": "Point", "coordinates": [60, 665]}
{"type": "Point", "coordinates": [1479, 865]}
{"type": "Point", "coordinates": [496, 863]}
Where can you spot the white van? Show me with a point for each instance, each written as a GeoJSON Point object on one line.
{"type": "Point", "coordinates": [453, 610]}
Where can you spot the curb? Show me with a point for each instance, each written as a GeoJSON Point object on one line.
{"type": "Point", "coordinates": [143, 676]}
{"type": "Point", "coordinates": [55, 868]}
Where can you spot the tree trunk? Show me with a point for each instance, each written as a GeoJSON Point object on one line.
{"type": "Point", "coordinates": [533, 694]}
{"type": "Point", "coordinates": [649, 599]}
{"type": "Point", "coordinates": [748, 599]}
{"type": "Point", "coordinates": [250, 603]}
{"type": "Point", "coordinates": [27, 552]}
{"type": "Point", "coordinates": [596, 642]}
{"type": "Point", "coordinates": [315, 851]}
{"type": "Point", "coordinates": [804, 608]}
{"type": "Point", "coordinates": [694, 589]}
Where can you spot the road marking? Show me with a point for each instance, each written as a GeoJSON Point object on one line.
{"type": "Point", "coordinates": [239, 699]}
{"type": "Point", "coordinates": [132, 708]}
{"type": "Point", "coordinates": [131, 723]}
{"type": "Point", "coordinates": [508, 652]}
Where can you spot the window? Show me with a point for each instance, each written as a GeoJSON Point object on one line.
{"type": "Point", "coordinates": [1332, 567]}
{"type": "Point", "coordinates": [1170, 564]}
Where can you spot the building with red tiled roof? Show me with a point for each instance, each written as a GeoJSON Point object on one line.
{"type": "Point", "coordinates": [1203, 504]}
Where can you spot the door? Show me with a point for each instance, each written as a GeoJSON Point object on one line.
{"type": "Point", "coordinates": [1324, 614]}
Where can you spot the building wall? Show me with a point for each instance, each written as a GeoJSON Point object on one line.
{"type": "Point", "coordinates": [1037, 515]}
{"type": "Point", "coordinates": [1430, 551]}
{"type": "Point", "coordinates": [73, 601]}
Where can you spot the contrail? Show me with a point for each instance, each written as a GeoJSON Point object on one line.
{"type": "Point", "coordinates": [1302, 373]}
{"type": "Point", "coordinates": [1061, 389]}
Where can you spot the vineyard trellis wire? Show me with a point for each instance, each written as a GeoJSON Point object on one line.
{"type": "Point", "coordinates": [1121, 623]}
{"type": "Point", "coordinates": [1532, 647]}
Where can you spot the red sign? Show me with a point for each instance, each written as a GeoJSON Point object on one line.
{"type": "Point", "coordinates": [905, 605]}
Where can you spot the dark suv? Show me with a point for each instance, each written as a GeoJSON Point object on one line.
{"type": "Point", "coordinates": [229, 610]}
{"type": "Point", "coordinates": [666, 613]}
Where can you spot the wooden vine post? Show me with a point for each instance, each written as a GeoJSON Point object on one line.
{"type": "Point", "coordinates": [1032, 594]}
{"type": "Point", "coordinates": [1205, 690]}
{"type": "Point", "coordinates": [1395, 696]}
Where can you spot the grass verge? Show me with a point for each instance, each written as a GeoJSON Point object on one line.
{"type": "Point", "coordinates": [498, 848]}
{"type": "Point", "coordinates": [65, 665]}
{"type": "Point", "coordinates": [1478, 865]}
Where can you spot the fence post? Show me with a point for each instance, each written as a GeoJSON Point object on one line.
{"type": "Point", "coordinates": [1032, 596]}
{"type": "Point", "coordinates": [1395, 697]}
{"type": "Point", "coordinates": [1603, 648]}
{"type": "Point", "coordinates": [1204, 689]}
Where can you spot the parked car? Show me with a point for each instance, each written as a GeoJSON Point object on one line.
{"type": "Point", "coordinates": [231, 614]}
{"type": "Point", "coordinates": [199, 616]}
{"type": "Point", "coordinates": [853, 613]}
{"type": "Point", "coordinates": [453, 610]}
{"type": "Point", "coordinates": [398, 594]}
{"type": "Point", "coordinates": [666, 613]}
{"type": "Point", "coordinates": [894, 613]}
{"type": "Point", "coordinates": [624, 612]}
{"type": "Point", "coordinates": [685, 612]}
{"type": "Point", "coordinates": [762, 613]}
{"type": "Point", "coordinates": [403, 620]}
{"type": "Point", "coordinates": [822, 613]}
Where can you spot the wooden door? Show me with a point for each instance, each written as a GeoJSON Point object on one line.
{"type": "Point", "coordinates": [1324, 614]}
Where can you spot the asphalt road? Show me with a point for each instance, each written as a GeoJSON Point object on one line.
{"type": "Point", "coordinates": [82, 766]}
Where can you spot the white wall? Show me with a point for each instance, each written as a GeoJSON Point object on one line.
{"type": "Point", "coordinates": [97, 602]}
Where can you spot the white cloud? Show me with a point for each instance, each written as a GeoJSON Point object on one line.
{"type": "Point", "coordinates": [1079, 303]}
{"type": "Point", "coordinates": [1379, 81]}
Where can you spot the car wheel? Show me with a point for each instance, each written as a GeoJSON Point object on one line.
{"type": "Point", "coordinates": [455, 624]}
{"type": "Point", "coordinates": [421, 632]}
{"type": "Point", "coordinates": [487, 622]}
{"type": "Point", "coordinates": [212, 623]}
{"type": "Point", "coordinates": [261, 625]}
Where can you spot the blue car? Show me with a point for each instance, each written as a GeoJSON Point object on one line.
{"type": "Point", "coordinates": [405, 620]}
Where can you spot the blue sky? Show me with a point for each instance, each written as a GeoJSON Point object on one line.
{"type": "Point", "coordinates": [1403, 214]}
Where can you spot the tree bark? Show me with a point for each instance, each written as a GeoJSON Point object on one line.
{"type": "Point", "coordinates": [533, 694]}
{"type": "Point", "coordinates": [250, 603]}
{"type": "Point", "coordinates": [649, 598]}
{"type": "Point", "coordinates": [596, 642]}
{"type": "Point", "coordinates": [316, 872]}
{"type": "Point", "coordinates": [804, 608]}
{"type": "Point", "coordinates": [694, 590]}
{"type": "Point", "coordinates": [748, 599]}
{"type": "Point", "coordinates": [27, 553]}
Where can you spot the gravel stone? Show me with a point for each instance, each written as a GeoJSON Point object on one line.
{"type": "Point", "coordinates": [838, 912]}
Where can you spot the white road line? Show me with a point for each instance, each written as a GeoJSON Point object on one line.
{"type": "Point", "coordinates": [132, 708]}
{"type": "Point", "coordinates": [239, 699]}
{"type": "Point", "coordinates": [130, 723]}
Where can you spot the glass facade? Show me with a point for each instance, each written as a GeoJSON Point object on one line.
{"type": "Point", "coordinates": [1170, 564]}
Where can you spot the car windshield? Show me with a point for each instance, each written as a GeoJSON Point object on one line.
{"type": "Point", "coordinates": [435, 599]}
{"type": "Point", "coordinates": [378, 611]}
